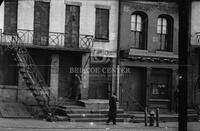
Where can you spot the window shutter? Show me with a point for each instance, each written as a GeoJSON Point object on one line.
{"type": "Point", "coordinates": [41, 22]}
{"type": "Point", "coordinates": [10, 17]}
{"type": "Point", "coordinates": [102, 24]}
{"type": "Point", "coordinates": [105, 22]}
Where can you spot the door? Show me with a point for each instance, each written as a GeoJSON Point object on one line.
{"type": "Point", "coordinates": [132, 89]}
{"type": "Point", "coordinates": [66, 77]}
{"type": "Point", "coordinates": [72, 26]}
{"type": "Point", "coordinates": [41, 23]}
{"type": "Point", "coordinates": [160, 89]}
{"type": "Point", "coordinates": [100, 81]}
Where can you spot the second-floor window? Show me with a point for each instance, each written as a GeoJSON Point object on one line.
{"type": "Point", "coordinates": [165, 32]}
{"type": "Point", "coordinates": [10, 16]}
{"type": "Point", "coordinates": [41, 23]}
{"type": "Point", "coordinates": [102, 24]}
{"type": "Point", "coordinates": [138, 30]}
{"type": "Point", "coordinates": [72, 18]}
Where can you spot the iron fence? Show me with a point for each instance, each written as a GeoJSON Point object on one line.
{"type": "Point", "coordinates": [55, 39]}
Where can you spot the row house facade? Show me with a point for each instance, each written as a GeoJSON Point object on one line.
{"type": "Point", "coordinates": [193, 58]}
{"type": "Point", "coordinates": [63, 38]}
{"type": "Point", "coordinates": [148, 46]}
{"type": "Point", "coordinates": [92, 38]}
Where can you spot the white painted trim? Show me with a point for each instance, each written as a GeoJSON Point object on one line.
{"type": "Point", "coordinates": [44, 0]}
{"type": "Point", "coordinates": [73, 3]}
{"type": "Point", "coordinates": [102, 6]}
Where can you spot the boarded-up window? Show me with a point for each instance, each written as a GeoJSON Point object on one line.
{"type": "Point", "coordinates": [72, 16]}
{"type": "Point", "coordinates": [102, 24]}
{"type": "Point", "coordinates": [41, 23]}
{"type": "Point", "coordinates": [10, 16]}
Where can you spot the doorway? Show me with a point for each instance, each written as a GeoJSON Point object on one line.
{"type": "Point", "coordinates": [160, 89]}
{"type": "Point", "coordinates": [132, 89]}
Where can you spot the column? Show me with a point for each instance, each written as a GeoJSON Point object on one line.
{"type": "Point", "coordinates": [148, 84]}
{"type": "Point", "coordinates": [54, 76]}
{"type": "Point", "coordinates": [173, 90]}
{"type": "Point", "coordinates": [85, 75]}
{"type": "Point", "coordinates": [114, 77]}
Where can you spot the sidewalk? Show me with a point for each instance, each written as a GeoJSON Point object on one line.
{"type": "Point", "coordinates": [42, 124]}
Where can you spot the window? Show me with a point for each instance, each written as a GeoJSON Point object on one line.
{"type": "Point", "coordinates": [161, 83]}
{"type": "Point", "coordinates": [72, 16]}
{"type": "Point", "coordinates": [136, 23]}
{"type": "Point", "coordinates": [41, 23]}
{"type": "Point", "coordinates": [139, 30]}
{"type": "Point", "coordinates": [159, 90]}
{"type": "Point", "coordinates": [165, 32]}
{"type": "Point", "coordinates": [10, 16]}
{"type": "Point", "coordinates": [102, 24]}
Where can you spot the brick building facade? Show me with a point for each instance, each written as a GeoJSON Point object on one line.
{"type": "Point", "coordinates": [149, 48]}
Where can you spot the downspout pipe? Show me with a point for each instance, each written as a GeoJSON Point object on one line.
{"type": "Point", "coordinates": [118, 50]}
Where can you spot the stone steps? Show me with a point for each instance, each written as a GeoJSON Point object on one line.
{"type": "Point", "coordinates": [89, 111]}
{"type": "Point", "coordinates": [92, 115]}
{"type": "Point", "coordinates": [95, 120]}
{"type": "Point", "coordinates": [121, 115]}
{"type": "Point", "coordinates": [70, 107]}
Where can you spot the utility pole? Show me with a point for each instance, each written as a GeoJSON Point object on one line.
{"type": "Point", "coordinates": [184, 40]}
{"type": "Point", "coordinates": [1, 2]}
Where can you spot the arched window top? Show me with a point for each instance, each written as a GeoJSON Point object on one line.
{"type": "Point", "coordinates": [163, 24]}
{"type": "Point", "coordinates": [137, 19]}
{"type": "Point", "coordinates": [168, 17]}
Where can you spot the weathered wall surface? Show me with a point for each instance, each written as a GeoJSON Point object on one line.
{"type": "Point", "coordinates": [25, 21]}
{"type": "Point", "coordinates": [2, 15]}
{"type": "Point", "coordinates": [57, 18]}
{"type": "Point", "coordinates": [153, 10]}
{"type": "Point", "coordinates": [193, 73]}
{"type": "Point", "coordinates": [195, 23]}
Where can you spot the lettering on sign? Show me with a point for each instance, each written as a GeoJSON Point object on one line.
{"type": "Point", "coordinates": [104, 53]}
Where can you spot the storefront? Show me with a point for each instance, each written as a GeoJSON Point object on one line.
{"type": "Point", "coordinates": [151, 84]}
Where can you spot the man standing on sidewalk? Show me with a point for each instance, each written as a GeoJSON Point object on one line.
{"type": "Point", "coordinates": [112, 109]}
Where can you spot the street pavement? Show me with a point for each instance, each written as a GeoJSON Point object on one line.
{"type": "Point", "coordinates": [42, 125]}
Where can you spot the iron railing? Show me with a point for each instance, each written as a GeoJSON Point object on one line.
{"type": "Point", "coordinates": [55, 39]}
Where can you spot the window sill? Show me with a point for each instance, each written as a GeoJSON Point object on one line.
{"type": "Point", "coordinates": [101, 40]}
{"type": "Point", "coordinates": [160, 100]}
{"type": "Point", "coordinates": [164, 52]}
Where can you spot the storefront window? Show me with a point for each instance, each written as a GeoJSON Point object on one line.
{"type": "Point", "coordinates": [159, 91]}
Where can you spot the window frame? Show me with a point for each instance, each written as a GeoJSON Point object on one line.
{"type": "Point", "coordinates": [10, 27]}
{"type": "Point", "coordinates": [141, 33]}
{"type": "Point", "coordinates": [136, 22]}
{"type": "Point", "coordinates": [97, 30]}
{"type": "Point", "coordinates": [167, 43]}
{"type": "Point", "coordinates": [41, 37]}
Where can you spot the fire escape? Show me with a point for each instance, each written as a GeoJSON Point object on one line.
{"type": "Point", "coordinates": [35, 82]}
